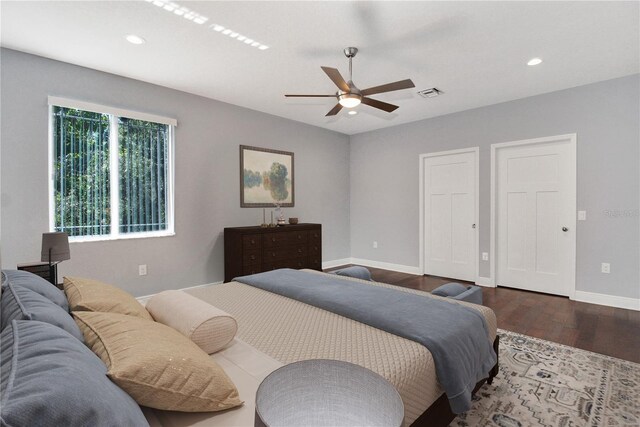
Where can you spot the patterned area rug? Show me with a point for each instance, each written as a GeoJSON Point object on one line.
{"type": "Point", "coordinates": [547, 384]}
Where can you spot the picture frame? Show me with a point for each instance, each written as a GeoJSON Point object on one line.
{"type": "Point", "coordinates": [266, 177]}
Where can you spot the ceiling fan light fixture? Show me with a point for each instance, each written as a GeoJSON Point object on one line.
{"type": "Point", "coordinates": [349, 100]}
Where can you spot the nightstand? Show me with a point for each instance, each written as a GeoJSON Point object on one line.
{"type": "Point", "coordinates": [41, 269]}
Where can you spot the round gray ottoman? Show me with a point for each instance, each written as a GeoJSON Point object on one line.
{"type": "Point", "coordinates": [327, 393]}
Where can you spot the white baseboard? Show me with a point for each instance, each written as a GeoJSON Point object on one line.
{"type": "Point", "coordinates": [143, 299]}
{"type": "Point", "coordinates": [386, 266]}
{"type": "Point", "coordinates": [336, 263]}
{"type": "Point", "coordinates": [485, 281]}
{"type": "Point", "coordinates": [610, 300]}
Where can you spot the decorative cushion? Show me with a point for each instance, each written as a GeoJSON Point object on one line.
{"type": "Point", "coordinates": [50, 378]}
{"type": "Point", "coordinates": [449, 290]}
{"type": "Point", "coordinates": [207, 326]}
{"type": "Point", "coordinates": [24, 304]}
{"type": "Point", "coordinates": [156, 365]}
{"type": "Point", "coordinates": [36, 284]}
{"type": "Point", "coordinates": [355, 271]}
{"type": "Point", "coordinates": [92, 295]}
{"type": "Point", "coordinates": [460, 292]}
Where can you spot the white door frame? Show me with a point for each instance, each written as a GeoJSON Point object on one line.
{"type": "Point", "coordinates": [476, 214]}
{"type": "Point", "coordinates": [494, 164]}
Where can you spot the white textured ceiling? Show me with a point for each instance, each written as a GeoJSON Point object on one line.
{"type": "Point", "coordinates": [476, 52]}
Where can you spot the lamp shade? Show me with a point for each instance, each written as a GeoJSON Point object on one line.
{"type": "Point", "coordinates": [56, 244]}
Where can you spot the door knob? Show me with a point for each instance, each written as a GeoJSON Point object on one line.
{"type": "Point", "coordinates": [565, 229]}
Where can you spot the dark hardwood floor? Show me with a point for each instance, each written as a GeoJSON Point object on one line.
{"type": "Point", "coordinates": [605, 330]}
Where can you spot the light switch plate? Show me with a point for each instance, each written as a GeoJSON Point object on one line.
{"type": "Point", "coordinates": [582, 215]}
{"type": "Point", "coordinates": [485, 256]}
{"type": "Point", "coordinates": [606, 267]}
{"type": "Point", "coordinates": [142, 269]}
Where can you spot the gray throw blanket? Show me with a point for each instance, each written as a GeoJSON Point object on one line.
{"type": "Point", "coordinates": [456, 336]}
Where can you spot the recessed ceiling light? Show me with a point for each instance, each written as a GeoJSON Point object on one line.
{"type": "Point", "coordinates": [352, 113]}
{"type": "Point", "coordinates": [178, 10]}
{"type": "Point", "coordinates": [133, 39]}
{"type": "Point", "coordinates": [534, 61]}
{"type": "Point", "coordinates": [235, 35]}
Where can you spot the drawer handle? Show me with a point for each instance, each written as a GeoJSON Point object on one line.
{"type": "Point", "coordinates": [315, 248]}
{"type": "Point", "coordinates": [273, 239]}
{"type": "Point", "coordinates": [253, 242]}
{"type": "Point", "coordinates": [299, 236]}
{"type": "Point", "coordinates": [253, 257]}
{"type": "Point", "coordinates": [273, 254]}
{"type": "Point", "coordinates": [299, 251]}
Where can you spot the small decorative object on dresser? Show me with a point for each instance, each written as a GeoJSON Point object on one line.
{"type": "Point", "coordinates": [293, 221]}
{"type": "Point", "coordinates": [251, 250]}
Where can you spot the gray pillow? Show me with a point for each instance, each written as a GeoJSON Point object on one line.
{"type": "Point", "coordinates": [355, 271]}
{"type": "Point", "coordinates": [449, 290]}
{"type": "Point", "coordinates": [24, 304]}
{"type": "Point", "coordinates": [36, 284]}
{"type": "Point", "coordinates": [51, 379]}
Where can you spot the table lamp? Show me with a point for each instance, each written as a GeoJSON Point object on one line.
{"type": "Point", "coordinates": [55, 248]}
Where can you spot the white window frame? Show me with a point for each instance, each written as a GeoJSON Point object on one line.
{"type": "Point", "coordinates": [114, 164]}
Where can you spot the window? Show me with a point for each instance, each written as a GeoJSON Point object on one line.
{"type": "Point", "coordinates": [112, 172]}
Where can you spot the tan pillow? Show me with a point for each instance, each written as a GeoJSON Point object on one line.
{"type": "Point", "coordinates": [156, 365]}
{"type": "Point", "coordinates": [207, 326]}
{"type": "Point", "coordinates": [92, 295]}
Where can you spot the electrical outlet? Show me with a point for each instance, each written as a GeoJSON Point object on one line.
{"type": "Point", "coordinates": [485, 256]}
{"type": "Point", "coordinates": [375, 245]}
{"type": "Point", "coordinates": [606, 267]}
{"type": "Point", "coordinates": [142, 269]}
{"type": "Point", "coordinates": [582, 215]}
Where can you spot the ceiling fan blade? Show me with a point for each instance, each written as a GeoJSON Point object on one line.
{"type": "Point", "coordinates": [310, 96]}
{"type": "Point", "coordinates": [389, 87]}
{"type": "Point", "coordinates": [379, 104]}
{"type": "Point", "coordinates": [335, 110]}
{"type": "Point", "coordinates": [336, 77]}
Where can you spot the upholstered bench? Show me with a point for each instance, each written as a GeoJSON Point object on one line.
{"type": "Point", "coordinates": [460, 292]}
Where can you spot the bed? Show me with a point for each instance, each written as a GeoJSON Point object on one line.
{"type": "Point", "coordinates": [275, 330]}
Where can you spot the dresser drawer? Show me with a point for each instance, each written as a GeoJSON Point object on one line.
{"type": "Point", "coordinates": [286, 263]}
{"type": "Point", "coordinates": [285, 238]}
{"type": "Point", "coordinates": [314, 249]}
{"type": "Point", "coordinates": [315, 238]}
{"type": "Point", "coordinates": [276, 254]}
{"type": "Point", "coordinates": [252, 256]}
{"type": "Point", "coordinates": [252, 269]}
{"type": "Point", "coordinates": [251, 241]}
{"type": "Point", "coordinates": [315, 262]}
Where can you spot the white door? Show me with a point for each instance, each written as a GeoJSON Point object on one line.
{"type": "Point", "coordinates": [450, 212]}
{"type": "Point", "coordinates": [536, 205]}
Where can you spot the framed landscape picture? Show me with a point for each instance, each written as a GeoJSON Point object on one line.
{"type": "Point", "coordinates": [266, 177]}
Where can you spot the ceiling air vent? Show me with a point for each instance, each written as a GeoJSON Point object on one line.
{"type": "Point", "coordinates": [430, 93]}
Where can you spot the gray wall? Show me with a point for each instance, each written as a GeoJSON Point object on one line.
{"type": "Point", "coordinates": [605, 116]}
{"type": "Point", "coordinates": [207, 175]}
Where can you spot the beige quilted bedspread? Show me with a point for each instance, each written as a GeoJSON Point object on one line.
{"type": "Point", "coordinates": [289, 331]}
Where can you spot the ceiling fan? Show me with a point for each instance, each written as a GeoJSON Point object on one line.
{"type": "Point", "coordinates": [349, 96]}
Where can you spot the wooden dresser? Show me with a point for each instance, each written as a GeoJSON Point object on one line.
{"type": "Point", "coordinates": [250, 250]}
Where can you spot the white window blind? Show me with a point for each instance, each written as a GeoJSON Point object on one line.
{"type": "Point", "coordinates": [112, 175]}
